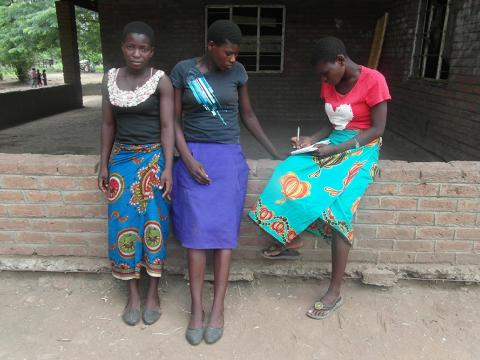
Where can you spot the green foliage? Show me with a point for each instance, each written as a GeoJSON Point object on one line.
{"type": "Point", "coordinates": [28, 27]}
{"type": "Point", "coordinates": [29, 32]}
{"type": "Point", "coordinates": [88, 33]}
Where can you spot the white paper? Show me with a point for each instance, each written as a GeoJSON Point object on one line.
{"type": "Point", "coordinates": [310, 148]}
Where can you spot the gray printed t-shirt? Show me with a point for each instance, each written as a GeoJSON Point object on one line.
{"type": "Point", "coordinates": [209, 102]}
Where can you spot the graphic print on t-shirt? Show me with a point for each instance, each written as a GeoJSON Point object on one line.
{"type": "Point", "coordinates": [341, 116]}
{"type": "Point", "coordinates": [205, 96]}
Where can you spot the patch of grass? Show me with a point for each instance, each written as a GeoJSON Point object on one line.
{"type": "Point", "coordinates": [7, 71]}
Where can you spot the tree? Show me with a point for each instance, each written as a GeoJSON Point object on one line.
{"type": "Point", "coordinates": [88, 34]}
{"type": "Point", "coordinates": [29, 31]}
{"type": "Point", "coordinates": [29, 27]}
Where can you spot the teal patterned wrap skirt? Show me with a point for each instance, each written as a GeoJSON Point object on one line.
{"type": "Point", "coordinates": [320, 195]}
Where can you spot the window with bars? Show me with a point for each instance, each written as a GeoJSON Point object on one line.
{"type": "Point", "coordinates": [432, 41]}
{"type": "Point", "coordinates": [263, 29]}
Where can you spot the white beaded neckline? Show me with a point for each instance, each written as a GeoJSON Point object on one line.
{"type": "Point", "coordinates": [129, 98]}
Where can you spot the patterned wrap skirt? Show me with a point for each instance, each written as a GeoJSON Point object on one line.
{"type": "Point", "coordinates": [319, 195]}
{"type": "Point", "coordinates": [208, 216]}
{"type": "Point", "coordinates": [138, 215]}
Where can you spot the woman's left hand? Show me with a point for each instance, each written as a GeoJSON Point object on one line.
{"type": "Point", "coordinates": [166, 183]}
{"type": "Point", "coordinates": [325, 150]}
{"type": "Point", "coordinates": [280, 156]}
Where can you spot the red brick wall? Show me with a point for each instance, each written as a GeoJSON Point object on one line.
{"type": "Point", "coordinates": [50, 205]}
{"type": "Point", "coordinates": [443, 116]}
{"type": "Point", "coordinates": [415, 213]}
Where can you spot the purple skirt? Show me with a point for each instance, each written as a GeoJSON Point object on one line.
{"type": "Point", "coordinates": [208, 216]}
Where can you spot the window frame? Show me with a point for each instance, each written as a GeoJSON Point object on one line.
{"type": "Point", "coordinates": [418, 58]}
{"type": "Point", "coordinates": [258, 7]}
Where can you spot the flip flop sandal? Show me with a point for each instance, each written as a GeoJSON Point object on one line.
{"type": "Point", "coordinates": [283, 254]}
{"type": "Point", "coordinates": [327, 309]}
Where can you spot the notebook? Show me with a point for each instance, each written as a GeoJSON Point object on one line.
{"type": "Point", "coordinates": [310, 148]}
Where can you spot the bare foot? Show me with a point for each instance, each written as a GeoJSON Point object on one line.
{"type": "Point", "coordinates": [152, 302]}
{"type": "Point", "coordinates": [133, 302]}
{"type": "Point", "coordinates": [216, 319]}
{"type": "Point", "coordinates": [196, 319]}
{"type": "Point", "coordinates": [277, 249]}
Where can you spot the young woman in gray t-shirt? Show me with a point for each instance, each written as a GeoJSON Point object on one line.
{"type": "Point", "coordinates": [210, 180]}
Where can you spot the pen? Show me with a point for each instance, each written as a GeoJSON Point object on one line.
{"type": "Point", "coordinates": [298, 135]}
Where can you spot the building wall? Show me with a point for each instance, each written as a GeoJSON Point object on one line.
{"type": "Point", "coordinates": [290, 96]}
{"type": "Point", "coordinates": [18, 107]}
{"type": "Point", "coordinates": [414, 213]}
{"type": "Point", "coordinates": [443, 116]}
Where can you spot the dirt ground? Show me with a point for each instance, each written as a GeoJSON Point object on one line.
{"type": "Point", "coordinates": [12, 84]}
{"type": "Point", "coordinates": [77, 316]}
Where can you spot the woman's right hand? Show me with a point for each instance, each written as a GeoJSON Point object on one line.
{"type": "Point", "coordinates": [303, 142]}
{"type": "Point", "coordinates": [198, 172]}
{"type": "Point", "coordinates": [103, 180]}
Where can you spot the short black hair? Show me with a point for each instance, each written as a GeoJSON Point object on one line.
{"type": "Point", "coordinates": [138, 27]}
{"type": "Point", "coordinates": [327, 49]}
{"type": "Point", "coordinates": [223, 31]}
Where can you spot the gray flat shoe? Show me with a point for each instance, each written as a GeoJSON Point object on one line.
{"type": "Point", "coordinates": [212, 335]}
{"type": "Point", "coordinates": [151, 316]}
{"type": "Point", "coordinates": [131, 317]}
{"type": "Point", "coordinates": [194, 336]}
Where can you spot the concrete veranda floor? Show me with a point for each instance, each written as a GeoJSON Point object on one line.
{"type": "Point", "coordinates": [78, 132]}
{"type": "Point", "coordinates": [77, 316]}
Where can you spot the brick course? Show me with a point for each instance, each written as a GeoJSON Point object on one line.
{"type": "Point", "coordinates": [58, 212]}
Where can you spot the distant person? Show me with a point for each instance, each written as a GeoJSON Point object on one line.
{"type": "Point", "coordinates": [33, 76]}
{"type": "Point", "coordinates": [44, 77]}
{"type": "Point", "coordinates": [39, 78]}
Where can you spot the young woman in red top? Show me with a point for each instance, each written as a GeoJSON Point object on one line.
{"type": "Point", "coordinates": [319, 191]}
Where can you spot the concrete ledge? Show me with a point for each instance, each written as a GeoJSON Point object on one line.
{"type": "Point", "coordinates": [247, 270]}
{"type": "Point", "coordinates": [419, 220]}
{"type": "Point", "coordinates": [18, 107]}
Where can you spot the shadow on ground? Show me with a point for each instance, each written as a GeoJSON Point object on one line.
{"type": "Point", "coordinates": [78, 132]}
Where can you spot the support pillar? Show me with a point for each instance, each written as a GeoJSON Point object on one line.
{"type": "Point", "coordinates": [69, 47]}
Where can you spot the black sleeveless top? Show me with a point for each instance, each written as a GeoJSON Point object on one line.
{"type": "Point", "coordinates": [137, 113]}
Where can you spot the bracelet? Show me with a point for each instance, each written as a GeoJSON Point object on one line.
{"type": "Point", "coordinates": [357, 144]}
